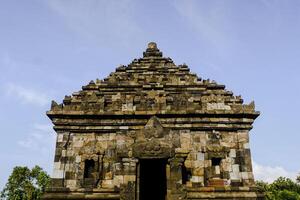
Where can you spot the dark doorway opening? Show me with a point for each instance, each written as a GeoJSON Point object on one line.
{"type": "Point", "coordinates": [186, 174]}
{"type": "Point", "coordinates": [152, 180]}
{"type": "Point", "coordinates": [216, 161]}
{"type": "Point", "coordinates": [89, 166]}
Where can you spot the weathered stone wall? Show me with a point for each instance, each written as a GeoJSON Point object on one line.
{"type": "Point", "coordinates": [109, 150]}
{"type": "Point", "coordinates": [152, 109]}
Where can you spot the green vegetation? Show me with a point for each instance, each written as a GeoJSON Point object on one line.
{"type": "Point", "coordinates": [25, 184]}
{"type": "Point", "coordinates": [281, 189]}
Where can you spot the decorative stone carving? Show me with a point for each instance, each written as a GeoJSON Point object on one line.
{"type": "Point", "coordinates": [152, 149]}
{"type": "Point", "coordinates": [193, 132]}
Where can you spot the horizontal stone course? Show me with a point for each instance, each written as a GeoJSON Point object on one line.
{"type": "Point", "coordinates": [152, 110]}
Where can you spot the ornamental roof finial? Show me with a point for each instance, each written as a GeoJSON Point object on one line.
{"type": "Point", "coordinates": [152, 50]}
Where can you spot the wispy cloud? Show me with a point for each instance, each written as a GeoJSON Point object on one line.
{"type": "Point", "coordinates": [209, 22]}
{"type": "Point", "coordinates": [269, 174]}
{"type": "Point", "coordinates": [40, 139]}
{"type": "Point", "coordinates": [104, 22]}
{"type": "Point", "coordinates": [27, 95]}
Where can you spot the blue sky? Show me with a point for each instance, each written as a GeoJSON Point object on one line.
{"type": "Point", "coordinates": [49, 49]}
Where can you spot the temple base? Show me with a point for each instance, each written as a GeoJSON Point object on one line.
{"type": "Point", "coordinates": [220, 193]}
{"type": "Point", "coordinates": [204, 193]}
{"type": "Point", "coordinates": [65, 193]}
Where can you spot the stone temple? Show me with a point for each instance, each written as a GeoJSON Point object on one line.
{"type": "Point", "coordinates": [152, 130]}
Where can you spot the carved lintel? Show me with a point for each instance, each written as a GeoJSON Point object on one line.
{"type": "Point", "coordinates": [152, 149]}
{"type": "Point", "coordinates": [217, 148]}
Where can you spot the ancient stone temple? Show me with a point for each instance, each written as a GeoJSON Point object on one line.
{"type": "Point", "coordinates": [152, 130]}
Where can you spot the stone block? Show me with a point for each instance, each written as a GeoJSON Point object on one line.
{"type": "Point", "coordinates": [107, 184]}
{"type": "Point", "coordinates": [69, 153]}
{"type": "Point", "coordinates": [207, 163]}
{"type": "Point", "coordinates": [129, 178]}
{"type": "Point", "coordinates": [189, 184]}
{"type": "Point", "coordinates": [118, 180]}
{"type": "Point", "coordinates": [188, 164]}
{"type": "Point", "coordinates": [56, 165]}
{"type": "Point", "coordinates": [246, 146]}
{"type": "Point", "coordinates": [200, 156]}
{"type": "Point", "coordinates": [71, 183]}
{"type": "Point", "coordinates": [216, 182]}
{"type": "Point", "coordinates": [217, 169]}
{"type": "Point", "coordinates": [245, 175]}
{"type": "Point", "coordinates": [198, 171]}
{"type": "Point", "coordinates": [226, 165]}
{"type": "Point", "coordinates": [124, 127]}
{"type": "Point", "coordinates": [181, 150]}
{"type": "Point", "coordinates": [78, 159]}
{"type": "Point", "coordinates": [69, 166]}
{"type": "Point", "coordinates": [108, 175]}
{"type": "Point", "coordinates": [243, 137]}
{"type": "Point", "coordinates": [232, 153]}
{"type": "Point", "coordinates": [64, 153]}
{"type": "Point", "coordinates": [112, 136]}
{"type": "Point", "coordinates": [236, 168]}
{"type": "Point", "coordinates": [192, 156]}
{"type": "Point", "coordinates": [218, 106]}
{"type": "Point", "coordinates": [60, 137]}
{"type": "Point", "coordinates": [199, 164]}
{"type": "Point", "coordinates": [235, 176]}
{"type": "Point", "coordinates": [185, 139]}
{"type": "Point", "coordinates": [197, 179]}
{"type": "Point", "coordinates": [78, 144]}
{"type": "Point", "coordinates": [69, 175]}
{"type": "Point", "coordinates": [197, 138]}
{"type": "Point", "coordinates": [58, 173]}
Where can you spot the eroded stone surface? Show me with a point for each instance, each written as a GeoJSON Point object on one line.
{"type": "Point", "coordinates": [152, 109]}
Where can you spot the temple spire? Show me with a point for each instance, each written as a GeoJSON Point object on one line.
{"type": "Point", "coordinates": [152, 51]}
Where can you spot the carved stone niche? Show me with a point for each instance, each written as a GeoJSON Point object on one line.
{"type": "Point", "coordinates": [214, 174]}
{"type": "Point", "coordinates": [89, 172]}
{"type": "Point", "coordinates": [90, 166]}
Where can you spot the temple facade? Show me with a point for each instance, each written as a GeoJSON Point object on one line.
{"type": "Point", "coordinates": [152, 130]}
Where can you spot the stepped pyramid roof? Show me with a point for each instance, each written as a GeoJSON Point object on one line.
{"type": "Point", "coordinates": [152, 85]}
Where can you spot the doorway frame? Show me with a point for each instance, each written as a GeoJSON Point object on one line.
{"type": "Point", "coordinates": [138, 170]}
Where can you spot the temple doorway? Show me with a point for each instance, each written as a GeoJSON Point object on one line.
{"type": "Point", "coordinates": [152, 179]}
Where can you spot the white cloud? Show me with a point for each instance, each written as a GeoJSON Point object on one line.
{"type": "Point", "coordinates": [40, 139]}
{"type": "Point", "coordinates": [212, 24]}
{"type": "Point", "coordinates": [104, 22]}
{"type": "Point", "coordinates": [269, 174]}
{"type": "Point", "coordinates": [208, 21]}
{"type": "Point", "coordinates": [27, 95]}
